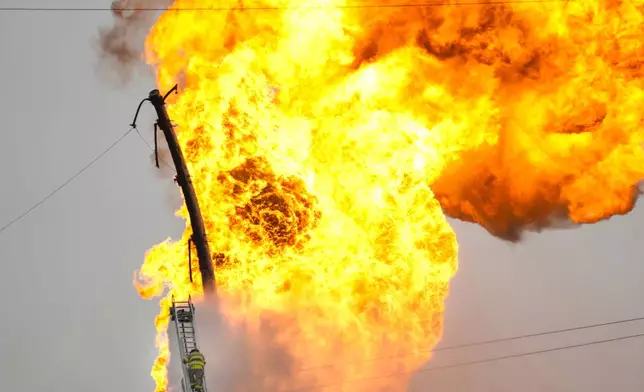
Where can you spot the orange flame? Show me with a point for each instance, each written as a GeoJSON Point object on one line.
{"type": "Point", "coordinates": [324, 144]}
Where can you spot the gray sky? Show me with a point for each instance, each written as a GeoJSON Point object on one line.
{"type": "Point", "coordinates": [74, 322]}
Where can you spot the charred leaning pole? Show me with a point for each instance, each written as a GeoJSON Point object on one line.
{"type": "Point", "coordinates": [184, 181]}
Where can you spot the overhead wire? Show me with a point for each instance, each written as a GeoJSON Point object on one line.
{"type": "Point", "coordinates": [64, 184]}
{"type": "Point", "coordinates": [469, 363]}
{"type": "Point", "coordinates": [403, 5]}
{"type": "Point", "coordinates": [484, 342]}
{"type": "Point", "coordinates": [152, 149]}
{"type": "Point", "coordinates": [271, 8]}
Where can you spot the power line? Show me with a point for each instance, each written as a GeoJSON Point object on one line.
{"type": "Point", "coordinates": [470, 363]}
{"type": "Point", "coordinates": [152, 149]}
{"type": "Point", "coordinates": [545, 333]}
{"type": "Point", "coordinates": [486, 342]}
{"type": "Point", "coordinates": [72, 178]}
{"type": "Point", "coordinates": [274, 8]}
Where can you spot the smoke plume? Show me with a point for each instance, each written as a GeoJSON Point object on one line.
{"type": "Point", "coordinates": [242, 355]}
{"type": "Point", "coordinates": [253, 352]}
{"type": "Point", "coordinates": [121, 46]}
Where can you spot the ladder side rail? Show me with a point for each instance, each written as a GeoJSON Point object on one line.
{"type": "Point", "coordinates": [194, 334]}
{"type": "Point", "coordinates": [185, 380]}
{"type": "Point", "coordinates": [187, 336]}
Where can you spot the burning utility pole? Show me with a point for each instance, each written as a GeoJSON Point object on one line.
{"type": "Point", "coordinates": [183, 179]}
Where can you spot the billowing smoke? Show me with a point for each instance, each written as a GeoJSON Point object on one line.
{"type": "Point", "coordinates": [252, 351]}
{"type": "Point", "coordinates": [238, 357]}
{"type": "Point", "coordinates": [121, 46]}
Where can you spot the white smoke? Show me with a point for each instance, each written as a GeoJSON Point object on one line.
{"type": "Point", "coordinates": [239, 360]}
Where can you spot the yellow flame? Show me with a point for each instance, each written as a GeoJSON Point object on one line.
{"type": "Point", "coordinates": [321, 140]}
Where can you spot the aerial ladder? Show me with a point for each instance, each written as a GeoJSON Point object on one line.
{"type": "Point", "coordinates": [182, 314]}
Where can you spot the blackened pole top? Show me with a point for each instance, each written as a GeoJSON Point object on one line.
{"type": "Point", "coordinates": [184, 181]}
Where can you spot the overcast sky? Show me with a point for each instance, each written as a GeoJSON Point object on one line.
{"type": "Point", "coordinates": [72, 320]}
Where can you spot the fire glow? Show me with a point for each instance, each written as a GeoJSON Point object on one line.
{"type": "Point", "coordinates": [328, 144]}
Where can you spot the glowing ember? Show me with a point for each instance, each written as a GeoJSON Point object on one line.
{"type": "Point", "coordinates": [323, 143]}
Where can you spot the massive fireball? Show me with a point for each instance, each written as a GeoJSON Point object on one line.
{"type": "Point", "coordinates": [325, 143]}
